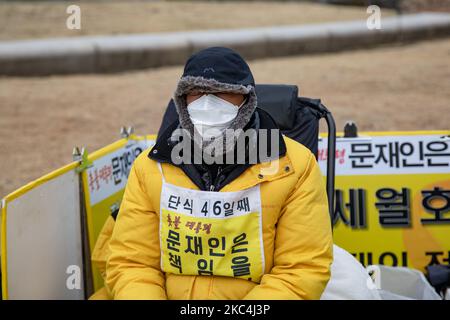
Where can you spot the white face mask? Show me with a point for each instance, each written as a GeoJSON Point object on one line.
{"type": "Point", "coordinates": [211, 115]}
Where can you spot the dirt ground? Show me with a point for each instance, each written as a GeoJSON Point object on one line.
{"type": "Point", "coordinates": [40, 19]}
{"type": "Point", "coordinates": [42, 119]}
{"type": "Point", "coordinates": [422, 5]}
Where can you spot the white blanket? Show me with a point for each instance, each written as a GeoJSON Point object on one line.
{"type": "Point", "coordinates": [349, 279]}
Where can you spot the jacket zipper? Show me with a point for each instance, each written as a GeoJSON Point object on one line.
{"type": "Point", "coordinates": [213, 185]}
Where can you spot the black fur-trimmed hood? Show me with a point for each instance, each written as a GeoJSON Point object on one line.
{"type": "Point", "coordinates": [216, 69]}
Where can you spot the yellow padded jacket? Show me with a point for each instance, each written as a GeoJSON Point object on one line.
{"type": "Point", "coordinates": [296, 230]}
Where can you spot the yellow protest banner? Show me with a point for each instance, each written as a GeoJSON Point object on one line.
{"type": "Point", "coordinates": [392, 202]}
{"type": "Point", "coordinates": [104, 183]}
{"type": "Point", "coordinates": [392, 207]}
{"type": "Point", "coordinates": [221, 232]}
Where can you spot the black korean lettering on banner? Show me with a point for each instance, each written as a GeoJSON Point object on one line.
{"type": "Point", "coordinates": [126, 162]}
{"type": "Point", "coordinates": [173, 241]}
{"type": "Point", "coordinates": [175, 261]}
{"type": "Point", "coordinates": [399, 152]}
{"type": "Point", "coordinates": [115, 162]}
{"type": "Point", "coordinates": [218, 244]}
{"type": "Point", "coordinates": [240, 263]}
{"type": "Point", "coordinates": [239, 243]}
{"type": "Point", "coordinates": [174, 202]}
{"type": "Point", "coordinates": [356, 205]}
{"type": "Point", "coordinates": [121, 164]}
{"type": "Point", "coordinates": [243, 205]}
{"type": "Point", "coordinates": [188, 204]}
{"type": "Point", "coordinates": [436, 202]}
{"type": "Point", "coordinates": [388, 256]}
{"type": "Point", "coordinates": [228, 208]}
{"type": "Point", "coordinates": [381, 155]}
{"type": "Point", "coordinates": [240, 266]}
{"type": "Point", "coordinates": [438, 257]}
{"type": "Point", "coordinates": [205, 267]}
{"type": "Point", "coordinates": [393, 207]}
{"type": "Point", "coordinates": [361, 153]}
{"type": "Point", "coordinates": [194, 245]}
{"type": "Point", "coordinates": [385, 258]}
{"type": "Point", "coordinates": [393, 155]}
{"type": "Point", "coordinates": [407, 150]}
{"type": "Point", "coordinates": [437, 150]}
{"type": "Point", "coordinates": [137, 151]}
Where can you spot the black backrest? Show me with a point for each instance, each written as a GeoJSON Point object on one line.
{"type": "Point", "coordinates": [280, 101]}
{"type": "Point", "coordinates": [294, 118]}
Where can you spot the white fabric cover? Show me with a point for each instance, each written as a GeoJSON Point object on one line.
{"type": "Point", "coordinates": [349, 279]}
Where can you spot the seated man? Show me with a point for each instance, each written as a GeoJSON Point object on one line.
{"type": "Point", "coordinates": [208, 214]}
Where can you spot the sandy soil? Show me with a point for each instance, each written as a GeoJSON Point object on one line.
{"type": "Point", "coordinates": [395, 88]}
{"type": "Point", "coordinates": [425, 5]}
{"type": "Point", "coordinates": [21, 20]}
